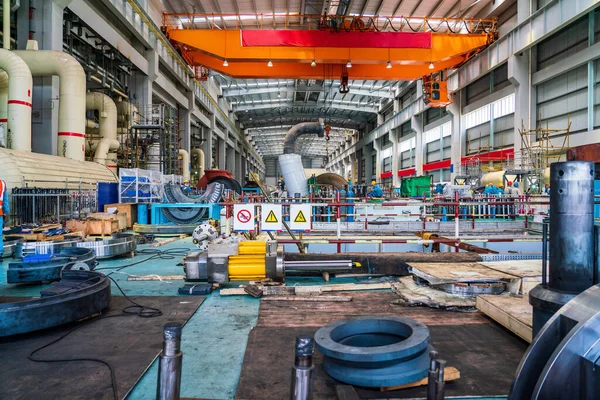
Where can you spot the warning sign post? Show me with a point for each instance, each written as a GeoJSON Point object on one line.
{"type": "Point", "coordinates": [243, 217]}
{"type": "Point", "coordinates": [271, 217]}
{"type": "Point", "coordinates": [300, 217]}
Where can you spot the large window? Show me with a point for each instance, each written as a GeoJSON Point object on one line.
{"type": "Point", "coordinates": [500, 108]}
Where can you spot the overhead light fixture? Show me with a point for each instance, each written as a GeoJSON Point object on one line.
{"type": "Point", "coordinates": [389, 65]}
{"type": "Point", "coordinates": [431, 66]}
{"type": "Point", "coordinates": [313, 63]}
{"type": "Point", "coordinates": [270, 63]}
{"type": "Point", "coordinates": [225, 63]}
{"type": "Point", "coordinates": [349, 65]}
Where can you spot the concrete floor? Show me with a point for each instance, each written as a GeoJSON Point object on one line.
{"type": "Point", "coordinates": [214, 339]}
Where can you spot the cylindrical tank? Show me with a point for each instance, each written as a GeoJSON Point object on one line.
{"type": "Point", "coordinates": [293, 174]}
{"type": "Point", "coordinates": [546, 176]}
{"type": "Point", "coordinates": [142, 214]}
{"type": "Point", "coordinates": [153, 163]}
{"type": "Point", "coordinates": [571, 226]}
{"type": "Point", "coordinates": [494, 178]}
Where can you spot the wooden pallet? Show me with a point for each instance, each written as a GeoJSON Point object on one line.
{"type": "Point", "coordinates": [514, 313]}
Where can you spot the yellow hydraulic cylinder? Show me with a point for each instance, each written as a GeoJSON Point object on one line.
{"type": "Point", "coordinates": [250, 263]}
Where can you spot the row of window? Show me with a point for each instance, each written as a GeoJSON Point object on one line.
{"type": "Point", "coordinates": [499, 108]}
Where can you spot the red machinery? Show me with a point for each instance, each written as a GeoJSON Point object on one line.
{"type": "Point", "coordinates": [222, 176]}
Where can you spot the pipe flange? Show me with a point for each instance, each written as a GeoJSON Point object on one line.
{"type": "Point", "coordinates": [375, 351]}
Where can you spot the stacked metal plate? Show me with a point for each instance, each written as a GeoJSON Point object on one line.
{"type": "Point", "coordinates": [23, 249]}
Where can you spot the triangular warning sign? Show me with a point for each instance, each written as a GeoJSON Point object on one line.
{"type": "Point", "coordinates": [300, 217]}
{"type": "Point", "coordinates": [271, 217]}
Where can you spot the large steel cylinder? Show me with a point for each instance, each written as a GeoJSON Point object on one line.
{"type": "Point", "coordinates": [169, 363]}
{"type": "Point", "coordinates": [572, 263]}
{"type": "Point", "coordinates": [571, 226]}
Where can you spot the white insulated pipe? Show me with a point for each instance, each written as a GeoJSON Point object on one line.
{"type": "Point", "coordinates": [200, 154]}
{"type": "Point", "coordinates": [3, 105]}
{"type": "Point", "coordinates": [20, 85]}
{"type": "Point", "coordinates": [107, 125]}
{"type": "Point", "coordinates": [71, 107]}
{"type": "Point", "coordinates": [102, 149]}
{"type": "Point", "coordinates": [6, 24]}
{"type": "Point", "coordinates": [185, 163]}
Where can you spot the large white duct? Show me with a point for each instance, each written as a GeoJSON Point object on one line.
{"type": "Point", "coordinates": [185, 164]}
{"type": "Point", "coordinates": [71, 107]}
{"type": "Point", "coordinates": [3, 105]}
{"type": "Point", "coordinates": [293, 174]}
{"type": "Point", "coordinates": [107, 125]}
{"type": "Point", "coordinates": [20, 168]}
{"type": "Point", "coordinates": [20, 84]}
{"type": "Point", "coordinates": [200, 157]}
{"type": "Point", "coordinates": [126, 115]}
{"type": "Point", "coordinates": [6, 24]}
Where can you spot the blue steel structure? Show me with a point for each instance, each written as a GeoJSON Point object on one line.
{"type": "Point", "coordinates": [157, 216]}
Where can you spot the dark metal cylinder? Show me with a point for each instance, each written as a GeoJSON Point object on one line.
{"type": "Point", "coordinates": [544, 252]}
{"type": "Point", "coordinates": [302, 372]}
{"type": "Point", "coordinates": [169, 365]}
{"type": "Point", "coordinates": [432, 375]}
{"type": "Point", "coordinates": [571, 226]}
{"type": "Point", "coordinates": [440, 384]}
{"type": "Point", "coordinates": [597, 255]}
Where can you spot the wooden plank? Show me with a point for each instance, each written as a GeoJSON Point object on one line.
{"type": "Point", "coordinates": [313, 289]}
{"type": "Point", "coordinates": [514, 313]}
{"type": "Point", "coordinates": [308, 298]}
{"type": "Point", "coordinates": [416, 295]}
{"type": "Point", "coordinates": [156, 278]}
{"type": "Point", "coordinates": [167, 241]}
{"type": "Point", "coordinates": [458, 272]}
{"type": "Point", "coordinates": [519, 268]}
{"type": "Point", "coordinates": [450, 374]}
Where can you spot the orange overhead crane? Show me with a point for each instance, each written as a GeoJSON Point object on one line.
{"type": "Point", "coordinates": [322, 47]}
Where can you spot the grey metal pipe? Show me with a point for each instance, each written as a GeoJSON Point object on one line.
{"type": "Point", "coordinates": [432, 375]}
{"type": "Point", "coordinates": [169, 365]}
{"type": "Point", "coordinates": [440, 385]}
{"type": "Point", "coordinates": [544, 251]}
{"type": "Point", "coordinates": [304, 128]}
{"type": "Point", "coordinates": [302, 371]}
{"type": "Point", "coordinates": [571, 226]}
{"type": "Point", "coordinates": [330, 265]}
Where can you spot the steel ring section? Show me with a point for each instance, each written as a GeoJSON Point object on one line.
{"type": "Point", "coordinates": [119, 244]}
{"type": "Point", "coordinates": [375, 351]}
{"type": "Point", "coordinates": [23, 249]}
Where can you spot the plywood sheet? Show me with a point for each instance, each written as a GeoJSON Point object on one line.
{"type": "Point", "coordinates": [514, 313]}
{"type": "Point", "coordinates": [519, 268]}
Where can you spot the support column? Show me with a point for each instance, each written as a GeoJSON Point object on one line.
{"type": "Point", "coordinates": [457, 133]}
{"type": "Point", "coordinates": [519, 76]}
{"type": "Point", "coordinates": [207, 146]}
{"type": "Point", "coordinates": [239, 174]}
{"type": "Point", "coordinates": [591, 75]}
{"type": "Point", "coordinates": [416, 123]}
{"type": "Point", "coordinates": [395, 156]}
{"type": "Point", "coordinates": [221, 154]}
{"type": "Point", "coordinates": [186, 124]}
{"type": "Point", "coordinates": [48, 27]}
{"type": "Point", "coordinates": [377, 155]}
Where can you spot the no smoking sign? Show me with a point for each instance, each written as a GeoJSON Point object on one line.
{"type": "Point", "coordinates": [243, 217]}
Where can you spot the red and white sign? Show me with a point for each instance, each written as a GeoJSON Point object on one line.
{"type": "Point", "coordinates": [243, 217]}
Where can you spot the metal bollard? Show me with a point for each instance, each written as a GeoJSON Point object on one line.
{"type": "Point", "coordinates": [169, 364]}
{"type": "Point", "coordinates": [439, 383]}
{"type": "Point", "coordinates": [432, 375]}
{"type": "Point", "coordinates": [302, 371]}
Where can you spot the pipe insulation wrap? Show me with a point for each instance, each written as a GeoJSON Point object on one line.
{"type": "Point", "coordinates": [304, 128]}
{"type": "Point", "coordinates": [293, 174]}
{"type": "Point", "coordinates": [107, 125]}
{"type": "Point", "coordinates": [3, 105]}
{"type": "Point", "coordinates": [20, 85]}
{"type": "Point", "coordinates": [185, 164]}
{"type": "Point", "coordinates": [71, 108]}
{"type": "Point", "coordinates": [200, 160]}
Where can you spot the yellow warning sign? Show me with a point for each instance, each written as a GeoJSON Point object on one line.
{"type": "Point", "coordinates": [271, 218]}
{"type": "Point", "coordinates": [300, 217]}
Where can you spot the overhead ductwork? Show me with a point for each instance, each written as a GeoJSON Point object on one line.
{"type": "Point", "coordinates": [18, 102]}
{"type": "Point", "coordinates": [71, 108]}
{"type": "Point", "coordinates": [304, 128]}
{"type": "Point", "coordinates": [107, 125]}
{"type": "Point", "coordinates": [200, 161]}
{"type": "Point", "coordinates": [185, 164]}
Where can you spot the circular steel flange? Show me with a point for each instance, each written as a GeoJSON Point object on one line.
{"type": "Point", "coordinates": [375, 351]}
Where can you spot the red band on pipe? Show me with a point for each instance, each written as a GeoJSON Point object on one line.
{"type": "Point", "coordinates": [22, 103]}
{"type": "Point", "coordinates": [4, 120]}
{"type": "Point", "coordinates": [74, 134]}
{"type": "Point", "coordinates": [111, 166]}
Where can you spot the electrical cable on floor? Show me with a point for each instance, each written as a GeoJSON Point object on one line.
{"type": "Point", "coordinates": [135, 309]}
